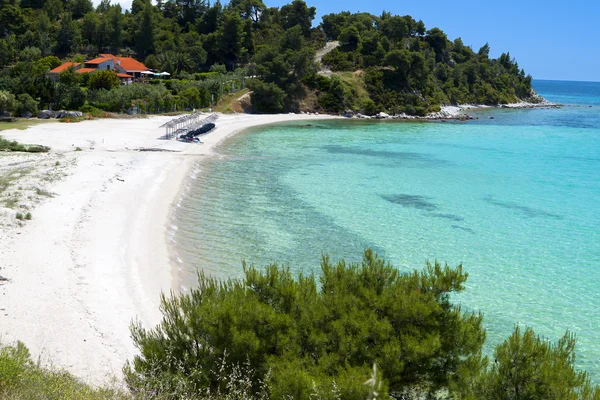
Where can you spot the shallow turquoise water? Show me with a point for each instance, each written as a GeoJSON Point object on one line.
{"type": "Point", "coordinates": [515, 199]}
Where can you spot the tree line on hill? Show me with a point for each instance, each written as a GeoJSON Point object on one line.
{"type": "Point", "coordinates": [383, 63]}
{"type": "Point", "coordinates": [356, 331]}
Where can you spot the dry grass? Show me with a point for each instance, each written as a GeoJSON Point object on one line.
{"type": "Point", "coordinates": [354, 81]}
{"type": "Point", "coordinates": [230, 103]}
{"type": "Point", "coordinates": [26, 179]}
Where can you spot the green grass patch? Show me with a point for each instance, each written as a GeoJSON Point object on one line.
{"type": "Point", "coordinates": [8, 178]}
{"type": "Point", "coordinates": [354, 81]}
{"type": "Point", "coordinates": [7, 145]}
{"type": "Point", "coordinates": [72, 119]}
{"type": "Point", "coordinates": [12, 201]}
{"type": "Point", "coordinates": [42, 192]}
{"type": "Point", "coordinates": [20, 124]}
{"type": "Point", "coordinates": [21, 378]}
{"type": "Point", "coordinates": [229, 103]}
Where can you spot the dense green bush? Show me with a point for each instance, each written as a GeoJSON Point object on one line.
{"type": "Point", "coordinates": [104, 79]}
{"type": "Point", "coordinates": [7, 145]}
{"type": "Point", "coordinates": [26, 104]}
{"type": "Point", "coordinates": [266, 97]}
{"type": "Point", "coordinates": [337, 98]}
{"type": "Point", "coordinates": [528, 367]}
{"type": "Point", "coordinates": [313, 331]}
{"type": "Point", "coordinates": [358, 331]}
{"type": "Point", "coordinates": [7, 101]}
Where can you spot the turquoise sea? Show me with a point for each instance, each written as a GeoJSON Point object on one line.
{"type": "Point", "coordinates": [515, 199]}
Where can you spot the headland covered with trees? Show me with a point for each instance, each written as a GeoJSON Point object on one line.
{"type": "Point", "coordinates": [385, 63]}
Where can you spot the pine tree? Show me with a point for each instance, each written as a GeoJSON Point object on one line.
{"type": "Point", "coordinates": [144, 44]}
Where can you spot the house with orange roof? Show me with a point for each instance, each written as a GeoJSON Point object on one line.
{"type": "Point", "coordinates": [126, 65]}
{"type": "Point", "coordinates": [126, 68]}
{"type": "Point", "coordinates": [53, 73]}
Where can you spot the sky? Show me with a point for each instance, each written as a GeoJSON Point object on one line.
{"type": "Point", "coordinates": [556, 40]}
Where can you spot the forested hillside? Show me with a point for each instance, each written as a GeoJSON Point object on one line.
{"type": "Point", "coordinates": [208, 49]}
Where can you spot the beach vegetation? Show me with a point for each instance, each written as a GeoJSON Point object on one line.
{"type": "Point", "coordinates": [11, 201]}
{"type": "Point", "coordinates": [356, 331]}
{"type": "Point", "coordinates": [11, 145]}
{"type": "Point", "coordinates": [106, 80]}
{"type": "Point", "coordinates": [26, 105]}
{"type": "Point", "coordinates": [13, 175]}
{"type": "Point", "coordinates": [7, 101]}
{"type": "Point", "coordinates": [43, 192]}
{"type": "Point", "coordinates": [527, 366]}
{"type": "Point", "coordinates": [272, 335]}
{"type": "Point", "coordinates": [213, 48]}
{"type": "Point", "coordinates": [22, 379]}
{"type": "Point", "coordinates": [313, 331]}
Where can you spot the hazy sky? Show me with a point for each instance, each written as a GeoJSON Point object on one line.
{"type": "Point", "coordinates": [550, 39]}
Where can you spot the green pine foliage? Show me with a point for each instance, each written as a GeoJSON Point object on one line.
{"type": "Point", "coordinates": [313, 331]}
{"type": "Point", "coordinates": [355, 331]}
{"type": "Point", "coordinates": [406, 67]}
{"type": "Point", "coordinates": [528, 367]}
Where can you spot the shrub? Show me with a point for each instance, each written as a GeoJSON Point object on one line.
{"type": "Point", "coordinates": [529, 367]}
{"type": "Point", "coordinates": [7, 145]}
{"type": "Point", "coordinates": [28, 216]}
{"type": "Point", "coordinates": [308, 333]}
{"type": "Point", "coordinates": [70, 96]}
{"type": "Point", "coordinates": [104, 79]}
{"type": "Point", "coordinates": [202, 76]}
{"type": "Point", "coordinates": [339, 61]}
{"type": "Point", "coordinates": [266, 97]}
{"type": "Point", "coordinates": [368, 107]}
{"type": "Point", "coordinates": [91, 110]}
{"type": "Point", "coordinates": [13, 364]}
{"type": "Point", "coordinates": [7, 101]}
{"type": "Point", "coordinates": [26, 104]}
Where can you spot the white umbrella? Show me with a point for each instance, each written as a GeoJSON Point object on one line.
{"type": "Point", "coordinates": [165, 74]}
{"type": "Point", "coordinates": [147, 72]}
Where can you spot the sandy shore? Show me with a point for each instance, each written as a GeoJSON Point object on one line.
{"type": "Point", "coordinates": [95, 255]}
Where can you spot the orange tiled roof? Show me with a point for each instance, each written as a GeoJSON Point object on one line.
{"type": "Point", "coordinates": [98, 60]}
{"type": "Point", "coordinates": [127, 63]}
{"type": "Point", "coordinates": [86, 70]}
{"type": "Point", "coordinates": [130, 64]}
{"type": "Point", "coordinates": [124, 76]}
{"type": "Point", "coordinates": [61, 68]}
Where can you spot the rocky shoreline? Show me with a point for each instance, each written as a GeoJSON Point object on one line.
{"type": "Point", "coordinates": [452, 112]}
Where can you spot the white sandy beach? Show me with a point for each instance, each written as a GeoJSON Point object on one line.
{"type": "Point", "coordinates": [95, 255]}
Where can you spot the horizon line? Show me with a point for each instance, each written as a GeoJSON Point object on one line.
{"type": "Point", "coordinates": [565, 80]}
